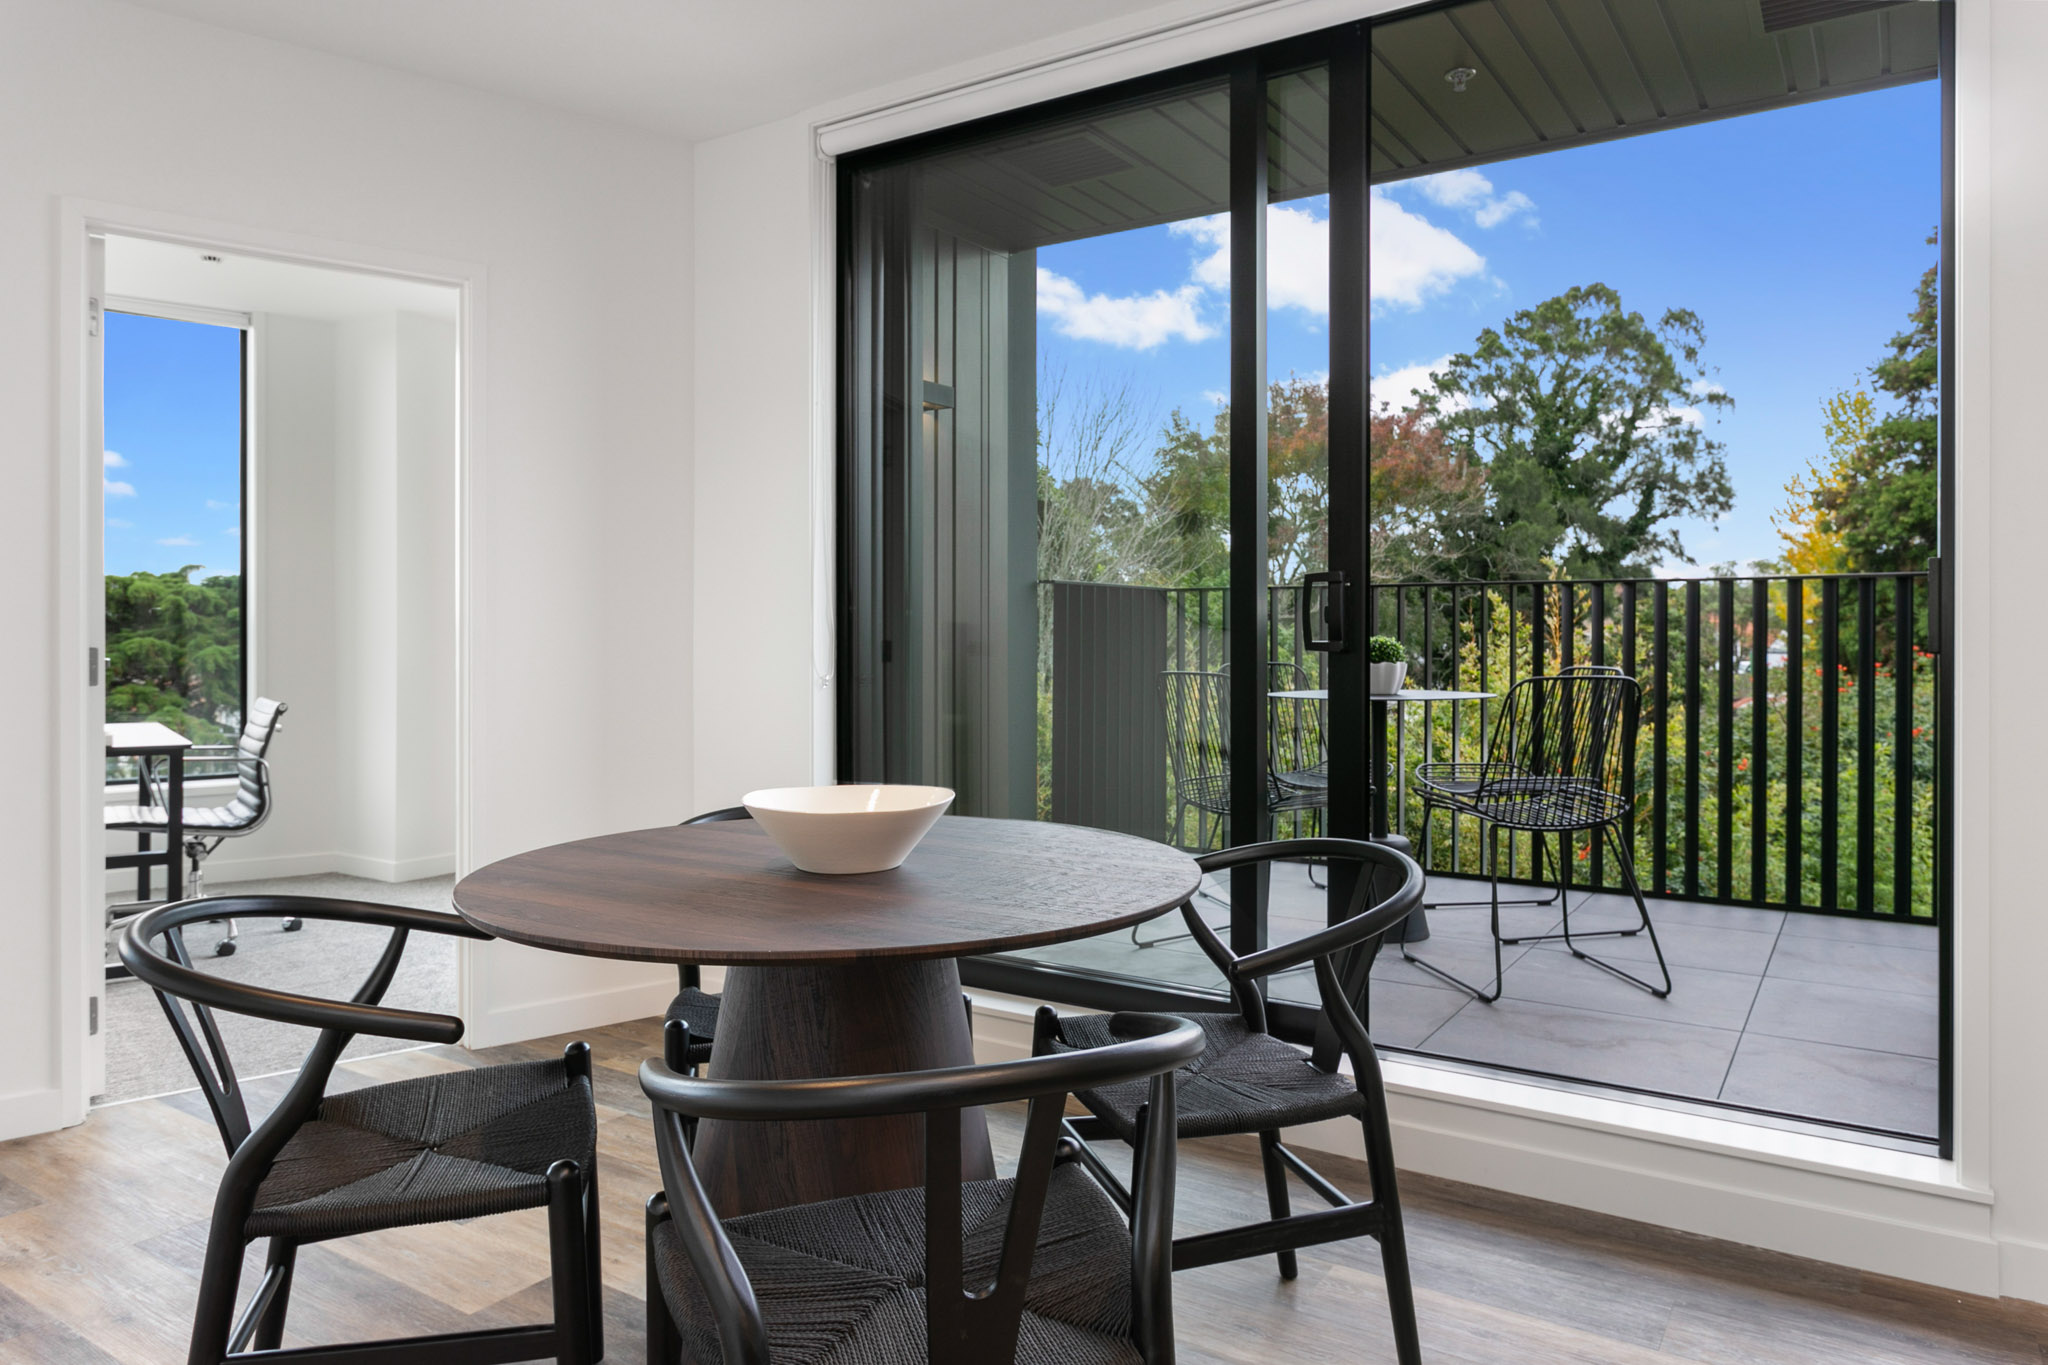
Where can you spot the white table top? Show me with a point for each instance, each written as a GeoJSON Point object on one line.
{"type": "Point", "coordinates": [144, 734]}
{"type": "Point", "coordinates": [1411, 694]}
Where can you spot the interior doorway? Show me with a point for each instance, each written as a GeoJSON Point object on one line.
{"type": "Point", "coordinates": [278, 551]}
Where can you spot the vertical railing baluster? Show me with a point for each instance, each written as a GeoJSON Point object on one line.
{"type": "Point", "coordinates": [1660, 753]}
{"type": "Point", "coordinates": [1759, 738]}
{"type": "Point", "coordinates": [1903, 738]}
{"type": "Point", "coordinates": [1866, 744]}
{"type": "Point", "coordinates": [1724, 743]}
{"type": "Point", "coordinates": [1692, 738]}
{"type": "Point", "coordinates": [1634, 719]}
{"type": "Point", "coordinates": [1830, 739]}
{"type": "Point", "coordinates": [1596, 651]}
{"type": "Point", "coordinates": [1795, 742]}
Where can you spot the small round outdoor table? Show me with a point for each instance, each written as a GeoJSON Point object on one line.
{"type": "Point", "coordinates": [827, 975]}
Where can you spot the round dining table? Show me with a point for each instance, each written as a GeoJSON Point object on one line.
{"type": "Point", "coordinates": [827, 975]}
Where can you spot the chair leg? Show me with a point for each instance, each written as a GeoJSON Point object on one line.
{"type": "Point", "coordinates": [1550, 899]}
{"type": "Point", "coordinates": [1393, 1235]}
{"type": "Point", "coordinates": [220, 1276]}
{"type": "Point", "coordinates": [569, 1266]}
{"type": "Point", "coordinates": [664, 1341]}
{"type": "Point", "coordinates": [283, 1258]}
{"type": "Point", "coordinates": [594, 1285]}
{"type": "Point", "coordinates": [1626, 857]}
{"type": "Point", "coordinates": [1276, 1193]}
{"type": "Point", "coordinates": [1493, 870]}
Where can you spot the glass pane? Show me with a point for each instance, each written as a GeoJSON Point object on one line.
{"type": "Point", "coordinates": [173, 550]}
{"type": "Point", "coordinates": [1040, 491]}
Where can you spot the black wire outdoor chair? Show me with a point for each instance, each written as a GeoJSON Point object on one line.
{"type": "Point", "coordinates": [433, 1149]}
{"type": "Point", "coordinates": [1041, 1268]}
{"type": "Point", "coordinates": [691, 1024]}
{"type": "Point", "coordinates": [1247, 1081]}
{"type": "Point", "coordinates": [1553, 767]}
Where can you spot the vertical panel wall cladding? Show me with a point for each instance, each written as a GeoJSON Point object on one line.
{"type": "Point", "coordinates": [1108, 710]}
{"type": "Point", "coordinates": [968, 641]}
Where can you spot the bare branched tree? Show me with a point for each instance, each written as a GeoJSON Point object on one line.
{"type": "Point", "coordinates": [1096, 521]}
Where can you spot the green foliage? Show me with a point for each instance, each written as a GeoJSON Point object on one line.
{"type": "Point", "coordinates": [1581, 413]}
{"type": "Point", "coordinates": [1384, 649]}
{"type": "Point", "coordinates": [174, 652]}
{"type": "Point", "coordinates": [1883, 509]}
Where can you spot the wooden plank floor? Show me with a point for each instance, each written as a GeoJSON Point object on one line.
{"type": "Point", "coordinates": [101, 1228]}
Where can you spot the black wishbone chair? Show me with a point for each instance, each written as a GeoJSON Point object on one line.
{"type": "Point", "coordinates": [432, 1149]}
{"type": "Point", "coordinates": [1246, 1081]}
{"type": "Point", "coordinates": [691, 1024]}
{"type": "Point", "coordinates": [1040, 1268]}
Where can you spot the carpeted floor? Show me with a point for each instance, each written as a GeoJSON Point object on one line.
{"type": "Point", "coordinates": [143, 1056]}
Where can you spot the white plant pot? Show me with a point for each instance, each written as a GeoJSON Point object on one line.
{"type": "Point", "coordinates": [1386, 679]}
{"type": "Point", "coordinates": [842, 830]}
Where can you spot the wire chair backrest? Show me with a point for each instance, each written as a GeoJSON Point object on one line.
{"type": "Point", "coordinates": [1198, 725]}
{"type": "Point", "coordinates": [1294, 725]}
{"type": "Point", "coordinates": [967, 1323]}
{"type": "Point", "coordinates": [1564, 728]}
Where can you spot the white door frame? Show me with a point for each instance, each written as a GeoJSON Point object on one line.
{"type": "Point", "coordinates": [81, 876]}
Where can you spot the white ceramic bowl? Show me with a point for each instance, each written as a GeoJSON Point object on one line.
{"type": "Point", "coordinates": [848, 829]}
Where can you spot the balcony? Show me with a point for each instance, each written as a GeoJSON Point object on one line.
{"type": "Point", "coordinates": [1783, 773]}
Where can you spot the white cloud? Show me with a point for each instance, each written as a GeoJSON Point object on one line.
{"type": "Point", "coordinates": [116, 524]}
{"type": "Point", "coordinates": [1473, 192]}
{"type": "Point", "coordinates": [1297, 256]}
{"type": "Point", "coordinates": [114, 488]}
{"type": "Point", "coordinates": [1217, 396]}
{"type": "Point", "coordinates": [1399, 388]}
{"type": "Point", "coordinates": [232, 531]}
{"type": "Point", "coordinates": [177, 540]}
{"type": "Point", "coordinates": [113, 459]}
{"type": "Point", "coordinates": [223, 506]}
{"type": "Point", "coordinates": [1136, 322]}
{"type": "Point", "coordinates": [1413, 259]}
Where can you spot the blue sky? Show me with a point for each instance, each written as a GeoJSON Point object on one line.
{"type": "Point", "coordinates": [173, 442]}
{"type": "Point", "coordinates": [1796, 235]}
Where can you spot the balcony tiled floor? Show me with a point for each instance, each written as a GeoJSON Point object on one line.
{"type": "Point", "coordinates": [1812, 1016]}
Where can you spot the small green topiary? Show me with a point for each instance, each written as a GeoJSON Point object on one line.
{"type": "Point", "coordinates": [1385, 649]}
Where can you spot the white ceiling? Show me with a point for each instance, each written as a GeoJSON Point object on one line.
{"type": "Point", "coordinates": [692, 68]}
{"type": "Point", "coordinates": [170, 272]}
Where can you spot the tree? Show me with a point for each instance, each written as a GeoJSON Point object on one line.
{"type": "Point", "coordinates": [1428, 501]}
{"type": "Point", "coordinates": [1884, 509]}
{"type": "Point", "coordinates": [1586, 421]}
{"type": "Point", "coordinates": [174, 651]}
{"type": "Point", "coordinates": [1094, 524]}
{"type": "Point", "coordinates": [1812, 543]}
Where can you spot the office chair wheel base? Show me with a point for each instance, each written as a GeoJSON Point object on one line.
{"type": "Point", "coordinates": [224, 948]}
{"type": "Point", "coordinates": [293, 925]}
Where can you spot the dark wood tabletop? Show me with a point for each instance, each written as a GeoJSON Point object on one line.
{"type": "Point", "coordinates": [724, 893]}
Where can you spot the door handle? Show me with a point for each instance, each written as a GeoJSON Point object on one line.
{"type": "Point", "coordinates": [1330, 613]}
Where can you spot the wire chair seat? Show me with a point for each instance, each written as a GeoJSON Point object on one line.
{"type": "Point", "coordinates": [843, 1282]}
{"type": "Point", "coordinates": [1516, 799]}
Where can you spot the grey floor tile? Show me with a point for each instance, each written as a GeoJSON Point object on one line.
{"type": "Point", "coordinates": [1698, 996]}
{"type": "Point", "coordinates": [1606, 1049]}
{"type": "Point", "coordinates": [1848, 929]}
{"type": "Point", "coordinates": [1470, 958]}
{"type": "Point", "coordinates": [1875, 966]}
{"type": "Point", "coordinates": [1852, 1016]}
{"type": "Point", "coordinates": [1685, 945]}
{"type": "Point", "coordinates": [1404, 1016]}
{"type": "Point", "coordinates": [1831, 1083]}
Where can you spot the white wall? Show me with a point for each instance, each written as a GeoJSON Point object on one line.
{"type": "Point", "coordinates": [580, 493]}
{"type": "Point", "coordinates": [1979, 1223]}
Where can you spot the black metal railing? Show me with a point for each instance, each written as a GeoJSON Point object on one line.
{"type": "Point", "coordinates": [1785, 755]}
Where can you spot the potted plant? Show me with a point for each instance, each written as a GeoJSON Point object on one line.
{"type": "Point", "coordinates": [1387, 665]}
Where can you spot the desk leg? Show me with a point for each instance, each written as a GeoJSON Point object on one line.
{"type": "Point", "coordinates": [143, 842]}
{"type": "Point", "coordinates": [833, 1020]}
{"type": "Point", "coordinates": [174, 830]}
